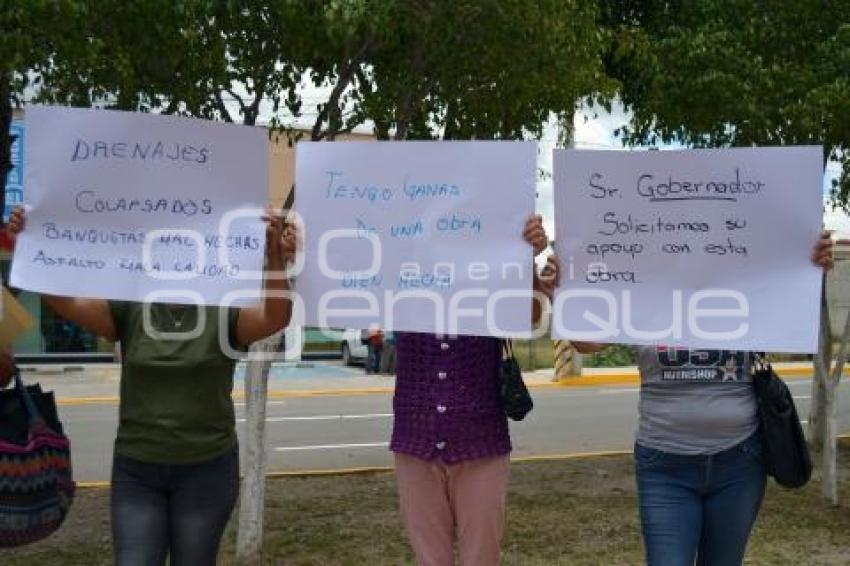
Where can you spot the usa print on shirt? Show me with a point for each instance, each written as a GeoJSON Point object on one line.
{"type": "Point", "coordinates": [683, 364]}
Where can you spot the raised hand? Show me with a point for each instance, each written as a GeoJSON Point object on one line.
{"type": "Point", "coordinates": [17, 222]}
{"type": "Point", "coordinates": [822, 253]}
{"type": "Point", "coordinates": [535, 234]}
{"type": "Point", "coordinates": [289, 241]}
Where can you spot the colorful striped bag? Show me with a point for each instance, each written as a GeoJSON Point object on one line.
{"type": "Point", "coordinates": [36, 485]}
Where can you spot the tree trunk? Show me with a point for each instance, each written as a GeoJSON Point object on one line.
{"type": "Point", "coordinates": [567, 359]}
{"type": "Point", "coordinates": [829, 476]}
{"type": "Point", "coordinates": [817, 419]}
{"type": "Point", "coordinates": [822, 364]}
{"type": "Point", "coordinates": [829, 487]}
{"type": "Point", "coordinates": [249, 541]}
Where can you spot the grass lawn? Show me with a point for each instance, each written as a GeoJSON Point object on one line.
{"type": "Point", "coordinates": [560, 512]}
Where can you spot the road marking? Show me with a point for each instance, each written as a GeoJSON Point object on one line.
{"type": "Point", "coordinates": [802, 396]}
{"type": "Point", "coordinates": [332, 446]}
{"type": "Point", "coordinates": [325, 418]}
{"type": "Point", "coordinates": [802, 376]}
{"type": "Point", "coordinates": [618, 391]}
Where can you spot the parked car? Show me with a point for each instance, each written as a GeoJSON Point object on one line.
{"type": "Point", "coordinates": [352, 348]}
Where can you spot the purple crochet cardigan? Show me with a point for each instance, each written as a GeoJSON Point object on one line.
{"type": "Point", "coordinates": [446, 402]}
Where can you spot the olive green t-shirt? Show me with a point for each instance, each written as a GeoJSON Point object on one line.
{"type": "Point", "coordinates": [175, 394]}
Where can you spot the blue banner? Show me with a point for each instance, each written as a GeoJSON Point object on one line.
{"type": "Point", "coordinates": [15, 178]}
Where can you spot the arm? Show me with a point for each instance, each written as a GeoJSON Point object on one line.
{"type": "Point", "coordinates": [545, 283]}
{"type": "Point", "coordinates": [91, 314]}
{"type": "Point", "coordinates": [535, 234]}
{"type": "Point", "coordinates": [823, 250]}
{"type": "Point", "coordinates": [7, 368]}
{"type": "Point", "coordinates": [536, 304]}
{"type": "Point", "coordinates": [274, 311]}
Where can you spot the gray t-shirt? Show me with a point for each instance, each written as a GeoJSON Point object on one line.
{"type": "Point", "coordinates": [694, 401]}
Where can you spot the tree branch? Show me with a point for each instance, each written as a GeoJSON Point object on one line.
{"type": "Point", "coordinates": [253, 110]}
{"type": "Point", "coordinates": [404, 110]}
{"type": "Point", "coordinates": [172, 106]}
{"type": "Point", "coordinates": [450, 127]}
{"type": "Point", "coordinates": [382, 125]}
{"type": "Point", "coordinates": [219, 103]}
{"type": "Point", "coordinates": [346, 130]}
{"type": "Point", "coordinates": [343, 80]}
{"type": "Point", "coordinates": [242, 108]}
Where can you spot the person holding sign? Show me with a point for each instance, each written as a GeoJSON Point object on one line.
{"type": "Point", "coordinates": [450, 438]}
{"type": "Point", "coordinates": [699, 453]}
{"type": "Point", "coordinates": [175, 474]}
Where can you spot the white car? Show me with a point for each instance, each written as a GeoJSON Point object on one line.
{"type": "Point", "coordinates": [353, 350]}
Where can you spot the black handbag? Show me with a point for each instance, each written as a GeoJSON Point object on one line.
{"type": "Point", "coordinates": [787, 457]}
{"type": "Point", "coordinates": [516, 400]}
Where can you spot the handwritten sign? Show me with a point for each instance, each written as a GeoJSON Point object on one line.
{"type": "Point", "coordinates": [417, 236]}
{"type": "Point", "coordinates": [701, 249]}
{"type": "Point", "coordinates": [141, 207]}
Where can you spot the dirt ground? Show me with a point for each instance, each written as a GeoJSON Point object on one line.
{"type": "Point", "coordinates": [560, 512]}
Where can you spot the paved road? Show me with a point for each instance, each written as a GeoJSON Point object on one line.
{"type": "Point", "coordinates": [102, 380]}
{"type": "Point", "coordinates": [352, 431]}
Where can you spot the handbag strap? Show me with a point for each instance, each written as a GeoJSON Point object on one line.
{"type": "Point", "coordinates": [507, 349]}
{"type": "Point", "coordinates": [33, 415]}
{"type": "Point", "coordinates": [758, 361]}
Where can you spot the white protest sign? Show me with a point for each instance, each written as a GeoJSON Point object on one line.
{"type": "Point", "coordinates": [417, 236]}
{"type": "Point", "coordinates": [702, 249]}
{"type": "Point", "coordinates": [141, 207]}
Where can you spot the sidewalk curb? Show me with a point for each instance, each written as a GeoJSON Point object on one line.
{"type": "Point", "coordinates": [632, 377]}
{"type": "Point", "coordinates": [367, 470]}
{"type": "Point", "coordinates": [626, 378]}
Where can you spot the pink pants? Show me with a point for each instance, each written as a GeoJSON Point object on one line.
{"type": "Point", "coordinates": [439, 501]}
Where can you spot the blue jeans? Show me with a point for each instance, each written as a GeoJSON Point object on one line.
{"type": "Point", "coordinates": [699, 507]}
{"type": "Point", "coordinates": [177, 510]}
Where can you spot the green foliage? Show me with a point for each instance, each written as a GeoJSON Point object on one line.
{"type": "Point", "coordinates": [30, 34]}
{"type": "Point", "coordinates": [616, 355]}
{"type": "Point", "coordinates": [482, 69]}
{"type": "Point", "coordinates": [452, 69]}
{"type": "Point", "coordinates": [736, 72]}
{"type": "Point", "coordinates": [178, 56]}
